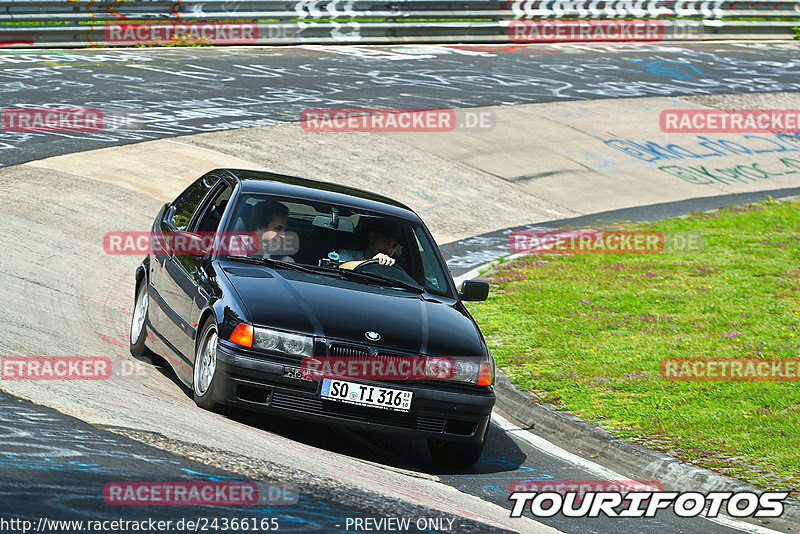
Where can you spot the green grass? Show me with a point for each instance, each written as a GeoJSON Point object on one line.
{"type": "Point", "coordinates": [587, 332]}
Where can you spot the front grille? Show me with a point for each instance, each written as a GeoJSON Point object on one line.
{"type": "Point", "coordinates": [348, 351]}
{"type": "Point", "coordinates": [357, 413]}
{"type": "Point", "coordinates": [386, 357]}
{"type": "Point", "coordinates": [338, 350]}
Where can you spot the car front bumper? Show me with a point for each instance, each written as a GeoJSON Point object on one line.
{"type": "Point", "coordinates": [440, 412]}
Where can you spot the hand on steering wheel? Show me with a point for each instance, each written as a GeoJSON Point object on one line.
{"type": "Point", "coordinates": [384, 259]}
{"type": "Point", "coordinates": [375, 261]}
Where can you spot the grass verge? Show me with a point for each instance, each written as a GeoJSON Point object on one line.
{"type": "Point", "coordinates": [587, 332]}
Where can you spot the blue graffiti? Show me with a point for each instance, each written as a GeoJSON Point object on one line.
{"type": "Point", "coordinates": [672, 69]}
{"type": "Point", "coordinates": [702, 175]}
{"type": "Point", "coordinates": [705, 147]}
{"type": "Point", "coordinates": [518, 472]}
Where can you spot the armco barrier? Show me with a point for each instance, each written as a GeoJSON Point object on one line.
{"type": "Point", "coordinates": [82, 23]}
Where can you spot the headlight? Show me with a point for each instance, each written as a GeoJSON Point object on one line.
{"type": "Point", "coordinates": [266, 339]}
{"type": "Point", "coordinates": [467, 371]}
{"type": "Point", "coordinates": [276, 341]}
{"type": "Point", "coordinates": [473, 372]}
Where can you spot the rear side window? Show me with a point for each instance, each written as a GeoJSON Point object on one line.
{"type": "Point", "coordinates": [187, 203]}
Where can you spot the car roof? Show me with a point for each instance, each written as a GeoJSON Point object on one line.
{"type": "Point", "coordinates": [304, 188]}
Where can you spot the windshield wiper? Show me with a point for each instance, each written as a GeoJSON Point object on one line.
{"type": "Point", "coordinates": [258, 260]}
{"type": "Point", "coordinates": [383, 280]}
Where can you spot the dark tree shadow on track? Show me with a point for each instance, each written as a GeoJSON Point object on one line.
{"type": "Point", "coordinates": [402, 452]}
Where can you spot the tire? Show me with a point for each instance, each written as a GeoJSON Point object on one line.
{"type": "Point", "coordinates": [138, 333]}
{"type": "Point", "coordinates": [204, 372]}
{"type": "Point", "coordinates": [456, 454]}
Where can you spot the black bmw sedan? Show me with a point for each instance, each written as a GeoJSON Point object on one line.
{"type": "Point", "coordinates": [319, 302]}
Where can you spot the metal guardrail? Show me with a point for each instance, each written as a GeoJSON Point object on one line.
{"type": "Point", "coordinates": [82, 23]}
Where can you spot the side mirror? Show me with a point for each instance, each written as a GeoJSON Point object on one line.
{"type": "Point", "coordinates": [474, 290]}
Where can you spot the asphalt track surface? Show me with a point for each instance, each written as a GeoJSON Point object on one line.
{"type": "Point", "coordinates": [55, 466]}
{"type": "Point", "coordinates": [179, 91]}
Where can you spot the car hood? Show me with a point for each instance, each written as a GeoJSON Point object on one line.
{"type": "Point", "coordinates": [345, 310]}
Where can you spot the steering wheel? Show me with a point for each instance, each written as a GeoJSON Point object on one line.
{"type": "Point", "coordinates": [398, 274]}
{"type": "Point", "coordinates": [368, 263]}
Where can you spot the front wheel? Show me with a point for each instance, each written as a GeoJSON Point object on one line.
{"type": "Point", "coordinates": [138, 321]}
{"type": "Point", "coordinates": [456, 454]}
{"type": "Point", "coordinates": [205, 368]}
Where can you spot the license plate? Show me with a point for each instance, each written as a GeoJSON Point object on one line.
{"type": "Point", "coordinates": [364, 395]}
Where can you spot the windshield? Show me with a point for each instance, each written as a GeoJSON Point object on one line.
{"type": "Point", "coordinates": [326, 236]}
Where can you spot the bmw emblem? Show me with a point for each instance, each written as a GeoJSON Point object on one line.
{"type": "Point", "coordinates": [372, 336]}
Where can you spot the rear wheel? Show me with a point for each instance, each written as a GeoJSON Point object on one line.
{"type": "Point", "coordinates": [456, 454]}
{"type": "Point", "coordinates": [138, 321]}
{"type": "Point", "coordinates": [205, 367]}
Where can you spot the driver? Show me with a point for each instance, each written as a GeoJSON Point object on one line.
{"type": "Point", "coordinates": [382, 241]}
{"type": "Point", "coordinates": [269, 219]}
